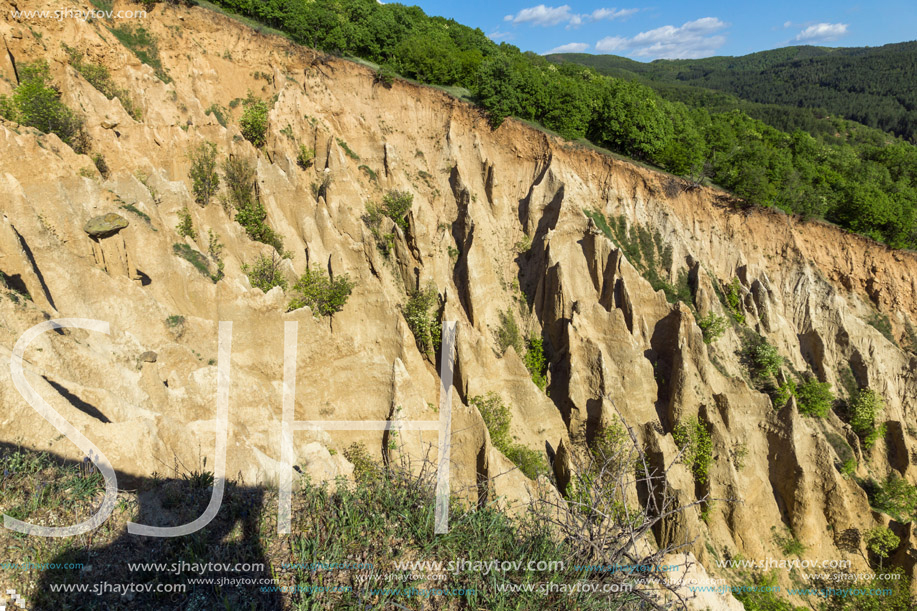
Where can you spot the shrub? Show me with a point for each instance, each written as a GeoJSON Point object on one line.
{"type": "Point", "coordinates": [395, 205]}
{"type": "Point", "coordinates": [265, 273]}
{"type": "Point", "coordinates": [524, 245]}
{"type": "Point", "coordinates": [865, 407]}
{"type": "Point", "coordinates": [712, 326]}
{"type": "Point", "coordinates": [765, 360]}
{"type": "Point", "coordinates": [203, 172]}
{"type": "Point", "coordinates": [305, 157]}
{"type": "Point", "coordinates": [36, 103]}
{"type": "Point", "coordinates": [848, 469]}
{"type": "Point", "coordinates": [535, 361]}
{"type": "Point", "coordinates": [101, 164]}
{"type": "Point", "coordinates": [783, 393]}
{"type": "Point", "coordinates": [896, 497]}
{"type": "Point", "coordinates": [384, 76]}
{"type": "Point", "coordinates": [497, 419]}
{"type": "Point", "coordinates": [239, 175]}
{"type": "Point", "coordinates": [185, 226]}
{"type": "Point", "coordinates": [508, 334]}
{"type": "Point", "coordinates": [814, 398]}
{"type": "Point", "coordinates": [421, 312]}
{"type": "Point", "coordinates": [733, 296]}
{"type": "Point", "coordinates": [322, 294]}
{"type": "Point", "coordinates": [253, 121]}
{"type": "Point", "coordinates": [761, 596]}
{"type": "Point", "coordinates": [694, 439]}
{"type": "Point", "coordinates": [215, 250]}
{"type": "Point", "coordinates": [881, 541]}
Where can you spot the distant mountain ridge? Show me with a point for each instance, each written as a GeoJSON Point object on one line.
{"type": "Point", "coordinates": [876, 86]}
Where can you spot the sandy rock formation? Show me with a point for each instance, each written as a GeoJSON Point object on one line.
{"type": "Point", "coordinates": [617, 348]}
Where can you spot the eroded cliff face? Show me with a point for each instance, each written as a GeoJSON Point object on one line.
{"type": "Point", "coordinates": [614, 343]}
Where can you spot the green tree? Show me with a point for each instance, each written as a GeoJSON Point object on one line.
{"type": "Point", "coordinates": [881, 541]}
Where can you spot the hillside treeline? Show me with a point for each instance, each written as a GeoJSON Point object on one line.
{"type": "Point", "coordinates": [864, 181]}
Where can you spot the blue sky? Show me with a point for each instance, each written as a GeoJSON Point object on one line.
{"type": "Point", "coordinates": [682, 29]}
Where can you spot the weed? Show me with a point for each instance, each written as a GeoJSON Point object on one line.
{"type": "Point", "coordinates": [305, 157]}
{"type": "Point", "coordinates": [365, 168]}
{"type": "Point", "coordinates": [497, 419]}
{"type": "Point", "coordinates": [739, 454]}
{"type": "Point", "coordinates": [99, 77]}
{"type": "Point", "coordinates": [788, 543]}
{"type": "Point", "coordinates": [143, 44]}
{"type": "Point", "coordinates": [347, 150]}
{"type": "Point", "coordinates": [197, 259]}
{"type": "Point", "coordinates": [135, 210]}
{"type": "Point", "coordinates": [219, 113]}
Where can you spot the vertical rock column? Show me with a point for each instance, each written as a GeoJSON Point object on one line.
{"type": "Point", "coordinates": [108, 246]}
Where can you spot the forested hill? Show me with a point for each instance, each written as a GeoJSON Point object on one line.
{"type": "Point", "coordinates": [876, 86]}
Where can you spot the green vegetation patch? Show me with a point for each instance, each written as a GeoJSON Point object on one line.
{"type": "Point", "coordinates": [324, 295]}
{"type": "Point", "coordinates": [36, 103]}
{"type": "Point", "coordinates": [143, 44]}
{"type": "Point", "coordinates": [693, 438]}
{"type": "Point", "coordinates": [497, 418]}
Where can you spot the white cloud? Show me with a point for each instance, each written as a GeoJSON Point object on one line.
{"type": "Point", "coordinates": [549, 15]}
{"type": "Point", "coordinates": [601, 14]}
{"type": "Point", "coordinates": [570, 47]}
{"type": "Point", "coordinates": [822, 32]}
{"type": "Point", "coordinates": [497, 35]}
{"type": "Point", "coordinates": [610, 44]}
{"type": "Point", "coordinates": [691, 40]}
{"type": "Point", "coordinates": [541, 15]}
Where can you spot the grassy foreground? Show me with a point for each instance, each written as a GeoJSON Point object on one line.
{"type": "Point", "coordinates": [360, 532]}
